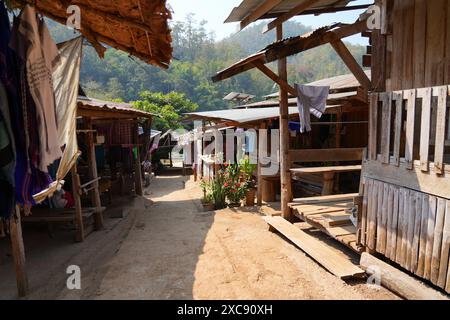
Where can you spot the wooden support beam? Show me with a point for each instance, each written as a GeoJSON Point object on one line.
{"type": "Point", "coordinates": [262, 143]}
{"type": "Point", "coordinates": [292, 47]}
{"type": "Point", "coordinates": [285, 175]}
{"type": "Point", "coordinates": [76, 191]}
{"type": "Point", "coordinates": [259, 12]}
{"type": "Point", "coordinates": [273, 76]}
{"type": "Point", "coordinates": [351, 63]}
{"type": "Point", "coordinates": [18, 253]}
{"type": "Point", "coordinates": [285, 17]}
{"type": "Point", "coordinates": [398, 281]}
{"type": "Point", "coordinates": [137, 165]}
{"type": "Point", "coordinates": [93, 174]}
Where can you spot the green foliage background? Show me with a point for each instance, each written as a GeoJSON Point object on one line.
{"type": "Point", "coordinates": [197, 56]}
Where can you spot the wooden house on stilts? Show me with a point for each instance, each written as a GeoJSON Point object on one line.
{"type": "Point", "coordinates": [403, 204]}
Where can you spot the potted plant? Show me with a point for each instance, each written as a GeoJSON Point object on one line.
{"type": "Point", "coordinates": [247, 170]}
{"type": "Point", "coordinates": [207, 199]}
{"type": "Point", "coordinates": [234, 187]}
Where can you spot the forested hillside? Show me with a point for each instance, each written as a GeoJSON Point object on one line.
{"type": "Point", "coordinates": [197, 56]}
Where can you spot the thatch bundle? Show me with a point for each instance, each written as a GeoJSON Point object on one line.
{"type": "Point", "coordinates": [138, 27]}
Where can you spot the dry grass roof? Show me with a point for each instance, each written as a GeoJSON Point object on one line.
{"type": "Point", "coordinates": [139, 27]}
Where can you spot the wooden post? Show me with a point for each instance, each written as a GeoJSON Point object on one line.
{"type": "Point", "coordinates": [76, 190]}
{"type": "Point", "coordinates": [137, 164]}
{"type": "Point", "coordinates": [261, 141]}
{"type": "Point", "coordinates": [338, 145]}
{"type": "Point", "coordinates": [93, 174]}
{"type": "Point", "coordinates": [286, 192]}
{"type": "Point", "coordinates": [18, 253]}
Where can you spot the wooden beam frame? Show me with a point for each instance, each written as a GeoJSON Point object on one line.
{"type": "Point", "coordinates": [291, 47]}
{"type": "Point", "coordinates": [93, 175]}
{"type": "Point", "coordinates": [288, 15]}
{"type": "Point", "coordinates": [351, 63]}
{"type": "Point", "coordinates": [259, 12]}
{"type": "Point", "coordinates": [274, 77]}
{"type": "Point", "coordinates": [285, 175]}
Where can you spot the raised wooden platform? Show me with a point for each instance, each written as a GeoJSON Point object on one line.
{"type": "Point", "coordinates": [331, 215]}
{"type": "Point", "coordinates": [329, 258]}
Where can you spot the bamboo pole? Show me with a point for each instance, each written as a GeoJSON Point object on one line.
{"type": "Point", "coordinates": [286, 192]}
{"type": "Point", "coordinates": [76, 190]}
{"type": "Point", "coordinates": [18, 253]}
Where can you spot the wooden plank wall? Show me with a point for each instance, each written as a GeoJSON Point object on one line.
{"type": "Point", "coordinates": [415, 51]}
{"type": "Point", "coordinates": [410, 228]}
{"type": "Point", "coordinates": [406, 206]}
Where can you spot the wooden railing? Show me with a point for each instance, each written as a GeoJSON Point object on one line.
{"type": "Point", "coordinates": [410, 130]}
{"type": "Point", "coordinates": [405, 214]}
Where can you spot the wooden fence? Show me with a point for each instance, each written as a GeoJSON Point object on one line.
{"type": "Point", "coordinates": [406, 206]}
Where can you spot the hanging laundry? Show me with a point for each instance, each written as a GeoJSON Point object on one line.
{"type": "Point", "coordinates": [155, 144]}
{"type": "Point", "coordinates": [294, 126]}
{"type": "Point", "coordinates": [310, 99]}
{"type": "Point", "coordinates": [34, 45]}
{"type": "Point", "coordinates": [66, 80]}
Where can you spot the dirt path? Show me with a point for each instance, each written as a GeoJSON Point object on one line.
{"type": "Point", "coordinates": [176, 252]}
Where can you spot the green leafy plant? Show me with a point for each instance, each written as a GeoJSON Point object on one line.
{"type": "Point", "coordinates": [247, 170]}
{"type": "Point", "coordinates": [218, 192]}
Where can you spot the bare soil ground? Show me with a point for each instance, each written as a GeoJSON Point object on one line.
{"type": "Point", "coordinates": [175, 251]}
{"type": "Point", "coordinates": [167, 248]}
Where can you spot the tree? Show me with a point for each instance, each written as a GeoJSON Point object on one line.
{"type": "Point", "coordinates": [169, 108]}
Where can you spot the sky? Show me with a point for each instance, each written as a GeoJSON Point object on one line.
{"type": "Point", "coordinates": [216, 11]}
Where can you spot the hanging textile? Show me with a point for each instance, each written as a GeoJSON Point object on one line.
{"type": "Point", "coordinates": [7, 158]}
{"type": "Point", "coordinates": [155, 143]}
{"type": "Point", "coordinates": [34, 45]}
{"type": "Point", "coordinates": [8, 97]}
{"type": "Point", "coordinates": [310, 99]}
{"type": "Point", "coordinates": [66, 80]}
{"type": "Point", "coordinates": [28, 178]}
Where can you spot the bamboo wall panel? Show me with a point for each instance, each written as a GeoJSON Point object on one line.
{"type": "Point", "coordinates": [410, 228]}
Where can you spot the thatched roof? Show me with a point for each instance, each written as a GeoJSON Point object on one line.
{"type": "Point", "coordinates": [138, 27]}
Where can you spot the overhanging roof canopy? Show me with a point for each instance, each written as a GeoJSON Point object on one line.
{"type": "Point", "coordinates": [138, 27]}
{"type": "Point", "coordinates": [247, 7]}
{"type": "Point", "coordinates": [292, 46]}
{"type": "Point", "coordinates": [252, 10]}
{"type": "Point", "coordinates": [94, 108]}
{"type": "Point", "coordinates": [240, 116]}
{"type": "Point", "coordinates": [339, 84]}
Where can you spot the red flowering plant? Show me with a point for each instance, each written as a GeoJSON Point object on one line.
{"type": "Point", "coordinates": [234, 188]}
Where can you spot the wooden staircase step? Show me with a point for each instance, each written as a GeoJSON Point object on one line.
{"type": "Point", "coordinates": [329, 258]}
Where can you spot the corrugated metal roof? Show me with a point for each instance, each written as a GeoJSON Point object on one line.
{"type": "Point", "coordinates": [240, 115]}
{"type": "Point", "coordinates": [346, 81]}
{"type": "Point", "coordinates": [247, 7]}
{"type": "Point", "coordinates": [123, 108]}
{"type": "Point", "coordinates": [291, 46]}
